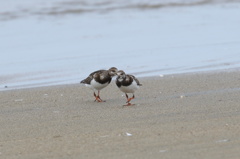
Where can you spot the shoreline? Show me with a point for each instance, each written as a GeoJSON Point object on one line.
{"type": "Point", "coordinates": [37, 85]}
{"type": "Point", "coordinates": [175, 116]}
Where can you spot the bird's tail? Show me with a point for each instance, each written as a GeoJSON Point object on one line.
{"type": "Point", "coordinates": [83, 82]}
{"type": "Point", "coordinates": [87, 80]}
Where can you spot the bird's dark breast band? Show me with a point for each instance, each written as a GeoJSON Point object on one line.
{"type": "Point", "coordinates": [126, 82]}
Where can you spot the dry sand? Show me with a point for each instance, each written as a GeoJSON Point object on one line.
{"type": "Point", "coordinates": [175, 116]}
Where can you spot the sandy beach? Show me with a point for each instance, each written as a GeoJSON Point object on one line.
{"type": "Point", "coordinates": [174, 116]}
{"type": "Point", "coordinates": [185, 53]}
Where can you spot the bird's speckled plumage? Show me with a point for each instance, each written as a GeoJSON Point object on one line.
{"type": "Point", "coordinates": [98, 80]}
{"type": "Point", "coordinates": [127, 84]}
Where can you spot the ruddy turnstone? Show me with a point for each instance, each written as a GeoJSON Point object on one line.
{"type": "Point", "coordinates": [127, 84]}
{"type": "Point", "coordinates": [98, 80]}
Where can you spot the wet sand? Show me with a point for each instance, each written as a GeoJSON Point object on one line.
{"type": "Point", "coordinates": [175, 116]}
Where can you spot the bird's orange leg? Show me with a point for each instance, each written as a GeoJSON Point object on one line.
{"type": "Point", "coordinates": [97, 97]}
{"type": "Point", "coordinates": [128, 100]}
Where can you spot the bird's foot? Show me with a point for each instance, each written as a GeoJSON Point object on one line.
{"type": "Point", "coordinates": [128, 104]}
{"type": "Point", "coordinates": [98, 99]}
{"type": "Point", "coordinates": [129, 99]}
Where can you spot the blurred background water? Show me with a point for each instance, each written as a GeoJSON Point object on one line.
{"type": "Point", "coordinates": [62, 41]}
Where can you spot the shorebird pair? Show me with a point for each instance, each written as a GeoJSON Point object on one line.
{"type": "Point", "coordinates": [102, 78]}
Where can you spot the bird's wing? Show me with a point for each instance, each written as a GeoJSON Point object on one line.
{"type": "Point", "coordinates": [135, 79]}
{"type": "Point", "coordinates": [91, 76]}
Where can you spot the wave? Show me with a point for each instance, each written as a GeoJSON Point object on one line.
{"type": "Point", "coordinates": [10, 10]}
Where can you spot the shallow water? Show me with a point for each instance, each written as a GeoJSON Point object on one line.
{"type": "Point", "coordinates": [62, 41]}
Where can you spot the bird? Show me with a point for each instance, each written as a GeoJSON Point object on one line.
{"type": "Point", "coordinates": [127, 84]}
{"type": "Point", "coordinates": [98, 80]}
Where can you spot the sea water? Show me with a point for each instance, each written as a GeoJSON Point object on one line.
{"type": "Point", "coordinates": [62, 41]}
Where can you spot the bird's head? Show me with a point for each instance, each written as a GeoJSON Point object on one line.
{"type": "Point", "coordinates": [113, 71]}
{"type": "Point", "coordinates": [121, 74]}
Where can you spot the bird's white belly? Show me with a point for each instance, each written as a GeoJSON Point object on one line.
{"type": "Point", "coordinates": [97, 86]}
{"type": "Point", "coordinates": [129, 89]}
